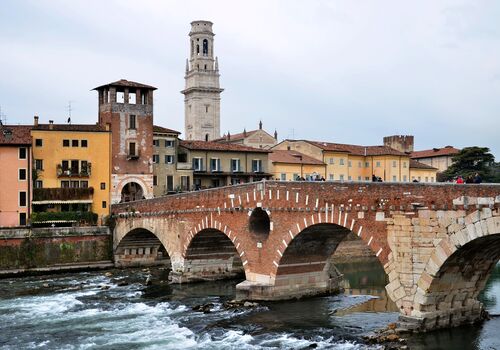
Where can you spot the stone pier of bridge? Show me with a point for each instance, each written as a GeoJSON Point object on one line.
{"type": "Point", "coordinates": [437, 243]}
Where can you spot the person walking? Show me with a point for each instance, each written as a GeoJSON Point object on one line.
{"type": "Point", "coordinates": [477, 179]}
{"type": "Point", "coordinates": [460, 180]}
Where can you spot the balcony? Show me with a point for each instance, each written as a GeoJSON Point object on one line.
{"type": "Point", "coordinates": [133, 154]}
{"type": "Point", "coordinates": [62, 194]}
{"type": "Point", "coordinates": [85, 171]}
{"type": "Point", "coordinates": [184, 166]}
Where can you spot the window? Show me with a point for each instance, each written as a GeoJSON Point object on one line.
{"type": "Point", "coordinates": [404, 178]}
{"type": "Point", "coordinates": [235, 165]}
{"type": "Point", "coordinates": [332, 161]}
{"type": "Point", "coordinates": [155, 180]}
{"type": "Point", "coordinates": [367, 178]}
{"type": "Point", "coordinates": [22, 199]}
{"type": "Point", "coordinates": [65, 143]}
{"type": "Point", "coordinates": [104, 204]}
{"type": "Point", "coordinates": [426, 179]}
{"type": "Point", "coordinates": [38, 142]}
{"type": "Point", "coordinates": [341, 178]}
{"type": "Point", "coordinates": [169, 159]}
{"type": "Point", "coordinates": [156, 143]}
{"type": "Point", "coordinates": [84, 184]}
{"type": "Point", "coordinates": [205, 47]}
{"type": "Point", "coordinates": [65, 165]}
{"type": "Point", "coordinates": [349, 164]}
{"type": "Point", "coordinates": [215, 164]}
{"type": "Point", "coordinates": [394, 164]}
{"type": "Point", "coordinates": [198, 164]}
{"type": "Point", "coordinates": [65, 184]}
{"type": "Point", "coordinates": [74, 143]}
{"type": "Point", "coordinates": [235, 181]}
{"type": "Point", "coordinates": [74, 184]}
{"type": "Point", "coordinates": [132, 98]}
{"type": "Point", "coordinates": [74, 166]}
{"type": "Point", "coordinates": [103, 185]}
{"type": "Point", "coordinates": [359, 178]}
{"type": "Point", "coordinates": [84, 168]}
{"type": "Point", "coordinates": [22, 174]}
{"type": "Point", "coordinates": [84, 143]}
{"type": "Point", "coordinates": [257, 166]}
{"type": "Point", "coordinates": [206, 106]}
{"type": "Point", "coordinates": [156, 158]}
{"type": "Point", "coordinates": [184, 183]}
{"type": "Point", "coordinates": [132, 150]}
{"type": "Point", "coordinates": [120, 97]}
{"type": "Point", "coordinates": [38, 184]}
{"type": "Point", "coordinates": [295, 177]}
{"type": "Point", "coordinates": [38, 164]}
{"type": "Point", "coordinates": [170, 183]}
{"type": "Point", "coordinates": [283, 176]}
{"type": "Point", "coordinates": [404, 164]}
{"type": "Point", "coordinates": [359, 164]}
{"type": "Point", "coordinates": [432, 179]}
{"type": "Point", "coordinates": [349, 178]}
{"type": "Point", "coordinates": [419, 179]}
{"type": "Point", "coordinates": [394, 178]}
{"type": "Point", "coordinates": [378, 164]}
{"type": "Point", "coordinates": [330, 177]}
{"type": "Point", "coordinates": [341, 161]}
{"type": "Point", "coordinates": [22, 153]}
{"type": "Point", "coordinates": [131, 121]}
{"type": "Point", "coordinates": [22, 219]}
{"type": "Point", "coordinates": [169, 143]}
{"type": "Point", "coordinates": [367, 164]}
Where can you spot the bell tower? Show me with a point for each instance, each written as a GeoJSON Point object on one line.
{"type": "Point", "coordinates": [202, 90]}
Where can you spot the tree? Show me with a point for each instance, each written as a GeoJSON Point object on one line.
{"type": "Point", "coordinates": [469, 161]}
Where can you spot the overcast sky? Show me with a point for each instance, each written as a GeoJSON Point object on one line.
{"type": "Point", "coordinates": [340, 71]}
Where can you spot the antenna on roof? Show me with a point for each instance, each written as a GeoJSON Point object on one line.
{"type": "Point", "coordinates": [3, 117]}
{"type": "Point", "coordinates": [69, 111]}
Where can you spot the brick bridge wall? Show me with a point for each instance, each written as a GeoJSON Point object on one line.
{"type": "Point", "coordinates": [411, 228]}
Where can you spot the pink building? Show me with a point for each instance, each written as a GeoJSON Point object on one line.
{"type": "Point", "coordinates": [15, 175]}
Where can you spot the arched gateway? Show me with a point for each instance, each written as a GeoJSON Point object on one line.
{"type": "Point", "coordinates": [437, 243]}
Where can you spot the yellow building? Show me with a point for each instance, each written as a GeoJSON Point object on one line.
{"type": "Point", "coordinates": [72, 164]}
{"type": "Point", "coordinates": [353, 162]}
{"type": "Point", "coordinates": [288, 165]}
{"type": "Point", "coordinates": [420, 172]}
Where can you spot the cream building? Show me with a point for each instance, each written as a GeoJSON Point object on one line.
{"type": "Point", "coordinates": [440, 158]}
{"type": "Point", "coordinates": [202, 90]}
{"type": "Point", "coordinates": [258, 138]}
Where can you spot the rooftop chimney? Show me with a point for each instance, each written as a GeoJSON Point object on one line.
{"type": "Point", "coordinates": [35, 120]}
{"type": "Point", "coordinates": [51, 124]}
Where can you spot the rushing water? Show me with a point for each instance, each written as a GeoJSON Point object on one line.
{"type": "Point", "coordinates": [95, 311]}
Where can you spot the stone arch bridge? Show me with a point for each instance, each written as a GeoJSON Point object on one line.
{"type": "Point", "coordinates": [438, 243]}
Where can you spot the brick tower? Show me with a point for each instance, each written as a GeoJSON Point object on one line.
{"type": "Point", "coordinates": [127, 107]}
{"type": "Point", "coordinates": [202, 91]}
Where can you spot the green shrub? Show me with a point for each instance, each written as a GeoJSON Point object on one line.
{"type": "Point", "coordinates": [86, 216]}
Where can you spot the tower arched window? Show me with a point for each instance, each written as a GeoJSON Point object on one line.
{"type": "Point", "coordinates": [192, 47]}
{"type": "Point", "coordinates": [197, 49]}
{"type": "Point", "coordinates": [206, 137]}
{"type": "Point", "coordinates": [205, 47]}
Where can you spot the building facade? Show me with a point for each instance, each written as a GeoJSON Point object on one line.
{"type": "Point", "coordinates": [440, 158]}
{"type": "Point", "coordinates": [202, 90]}
{"type": "Point", "coordinates": [290, 165]}
{"type": "Point", "coordinates": [171, 171]}
{"type": "Point", "coordinates": [420, 172]}
{"type": "Point", "coordinates": [72, 164]}
{"type": "Point", "coordinates": [15, 175]}
{"type": "Point", "coordinates": [258, 138]}
{"type": "Point", "coordinates": [216, 164]}
{"type": "Point", "coordinates": [127, 107]}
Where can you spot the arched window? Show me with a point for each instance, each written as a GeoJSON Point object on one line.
{"type": "Point", "coordinates": [197, 49]}
{"type": "Point", "coordinates": [205, 47]}
{"type": "Point", "coordinates": [206, 137]}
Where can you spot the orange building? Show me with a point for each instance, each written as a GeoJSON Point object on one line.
{"type": "Point", "coordinates": [15, 175]}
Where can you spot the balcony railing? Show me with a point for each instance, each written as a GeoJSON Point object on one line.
{"type": "Point", "coordinates": [62, 194]}
{"type": "Point", "coordinates": [83, 172]}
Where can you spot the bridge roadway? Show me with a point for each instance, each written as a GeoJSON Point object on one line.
{"type": "Point", "coordinates": [438, 243]}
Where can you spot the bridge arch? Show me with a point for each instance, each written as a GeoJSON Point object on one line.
{"type": "Point", "coordinates": [141, 247]}
{"type": "Point", "coordinates": [457, 272]}
{"type": "Point", "coordinates": [212, 252]}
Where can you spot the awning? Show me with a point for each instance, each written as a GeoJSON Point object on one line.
{"type": "Point", "coordinates": [71, 201]}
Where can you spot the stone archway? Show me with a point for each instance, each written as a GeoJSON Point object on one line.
{"type": "Point", "coordinates": [132, 191]}
{"type": "Point", "coordinates": [141, 247]}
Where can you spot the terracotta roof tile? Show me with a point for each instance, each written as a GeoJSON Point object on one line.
{"type": "Point", "coordinates": [356, 149]}
{"type": "Point", "coordinates": [71, 127]}
{"type": "Point", "coordinates": [15, 135]}
{"type": "Point", "coordinates": [419, 165]}
{"type": "Point", "coordinates": [126, 83]}
{"type": "Point", "coordinates": [435, 152]}
{"type": "Point", "coordinates": [293, 157]}
{"type": "Point", "coordinates": [217, 146]}
{"type": "Point", "coordinates": [162, 130]}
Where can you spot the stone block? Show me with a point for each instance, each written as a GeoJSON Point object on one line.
{"type": "Point", "coordinates": [425, 281]}
{"type": "Point", "coordinates": [472, 217]}
{"type": "Point", "coordinates": [486, 201]}
{"type": "Point", "coordinates": [493, 225]}
{"type": "Point", "coordinates": [486, 213]}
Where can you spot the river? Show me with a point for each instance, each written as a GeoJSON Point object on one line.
{"type": "Point", "coordinates": [115, 310]}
